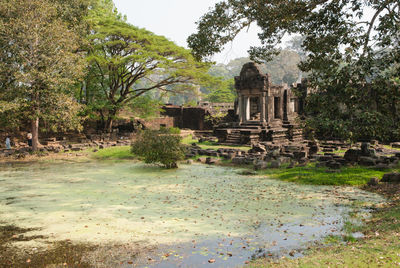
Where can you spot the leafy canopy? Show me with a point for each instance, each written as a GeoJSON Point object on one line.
{"type": "Point", "coordinates": [39, 62]}
{"type": "Point", "coordinates": [127, 62]}
{"type": "Point", "coordinates": [352, 59]}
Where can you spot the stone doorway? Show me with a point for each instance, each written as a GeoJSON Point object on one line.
{"type": "Point", "coordinates": [277, 107]}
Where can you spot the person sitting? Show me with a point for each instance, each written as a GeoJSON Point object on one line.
{"type": "Point", "coordinates": [29, 137]}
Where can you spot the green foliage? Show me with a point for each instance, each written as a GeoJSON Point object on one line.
{"type": "Point", "coordinates": [39, 63]}
{"type": "Point", "coordinates": [171, 130]}
{"type": "Point", "coordinates": [145, 106]}
{"type": "Point", "coordinates": [159, 146]}
{"type": "Point", "coordinates": [283, 68]}
{"type": "Point", "coordinates": [225, 93]}
{"type": "Point", "coordinates": [351, 58]}
{"type": "Point", "coordinates": [126, 62]}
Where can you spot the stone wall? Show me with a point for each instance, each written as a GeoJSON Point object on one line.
{"type": "Point", "coordinates": [188, 117]}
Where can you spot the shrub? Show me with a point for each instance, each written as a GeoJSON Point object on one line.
{"type": "Point", "coordinates": [159, 146]}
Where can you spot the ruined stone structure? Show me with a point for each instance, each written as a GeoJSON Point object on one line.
{"type": "Point", "coordinates": [188, 117]}
{"type": "Point", "coordinates": [264, 112]}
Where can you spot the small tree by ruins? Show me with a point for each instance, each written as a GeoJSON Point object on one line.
{"type": "Point", "coordinates": [159, 146]}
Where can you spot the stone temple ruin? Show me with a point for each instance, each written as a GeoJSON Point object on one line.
{"type": "Point", "coordinates": [263, 112]}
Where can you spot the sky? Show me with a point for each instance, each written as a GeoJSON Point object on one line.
{"type": "Point", "coordinates": [175, 19]}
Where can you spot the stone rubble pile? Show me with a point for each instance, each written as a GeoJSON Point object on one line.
{"type": "Point", "coordinates": [265, 155]}
{"type": "Point", "coordinates": [53, 146]}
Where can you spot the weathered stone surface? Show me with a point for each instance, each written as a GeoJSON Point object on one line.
{"type": "Point", "coordinates": [275, 164]}
{"type": "Point", "coordinates": [395, 145]}
{"type": "Point", "coordinates": [391, 177]}
{"type": "Point", "coordinates": [381, 166]}
{"type": "Point", "coordinates": [189, 155]}
{"type": "Point", "coordinates": [299, 155]}
{"type": "Point", "coordinates": [211, 161]}
{"type": "Point", "coordinates": [201, 159]}
{"type": "Point", "coordinates": [373, 182]}
{"type": "Point", "coordinates": [259, 148]}
{"type": "Point", "coordinates": [238, 160]}
{"type": "Point", "coordinates": [324, 158]}
{"type": "Point", "coordinates": [259, 165]}
{"type": "Point", "coordinates": [367, 161]}
{"type": "Point", "coordinates": [365, 148]}
{"type": "Point", "coordinates": [313, 149]}
{"type": "Point", "coordinates": [352, 155]}
{"type": "Point", "coordinates": [334, 165]}
{"type": "Point", "coordinates": [283, 159]}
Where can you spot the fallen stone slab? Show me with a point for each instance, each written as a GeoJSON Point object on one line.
{"type": "Point", "coordinates": [367, 161]}
{"type": "Point", "coordinates": [391, 177]}
{"type": "Point", "coordinates": [395, 145]}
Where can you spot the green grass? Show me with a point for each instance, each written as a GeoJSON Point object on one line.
{"type": "Point", "coordinates": [338, 152]}
{"type": "Point", "coordinates": [116, 153]}
{"type": "Point", "coordinates": [391, 148]}
{"type": "Point", "coordinates": [212, 145]}
{"type": "Point", "coordinates": [319, 176]}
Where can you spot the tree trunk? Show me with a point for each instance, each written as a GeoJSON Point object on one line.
{"type": "Point", "coordinates": [108, 126]}
{"type": "Point", "coordinates": [110, 119]}
{"type": "Point", "coordinates": [35, 133]}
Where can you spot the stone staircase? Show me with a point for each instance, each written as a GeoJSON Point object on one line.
{"type": "Point", "coordinates": [233, 137]}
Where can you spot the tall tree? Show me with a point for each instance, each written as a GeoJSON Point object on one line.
{"type": "Point", "coordinates": [352, 58]}
{"type": "Point", "coordinates": [39, 62]}
{"type": "Point", "coordinates": [128, 62]}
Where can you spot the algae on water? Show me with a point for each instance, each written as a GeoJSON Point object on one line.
{"type": "Point", "coordinates": [198, 211]}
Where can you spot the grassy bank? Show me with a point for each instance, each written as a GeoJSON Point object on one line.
{"type": "Point", "coordinates": [310, 174]}
{"type": "Point", "coordinates": [380, 246]}
{"type": "Point", "coordinates": [113, 153]}
{"type": "Point", "coordinates": [212, 145]}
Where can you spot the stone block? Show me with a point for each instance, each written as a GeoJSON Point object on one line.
{"type": "Point", "coordinates": [367, 161]}
{"type": "Point", "coordinates": [275, 164]}
{"type": "Point", "coordinates": [299, 155]}
{"type": "Point", "coordinates": [259, 165]}
{"type": "Point", "coordinates": [313, 149]}
{"type": "Point", "coordinates": [373, 182]}
{"type": "Point", "coordinates": [334, 165]}
{"type": "Point", "coordinates": [211, 161]}
{"type": "Point", "coordinates": [238, 160]}
{"type": "Point", "coordinates": [381, 166]}
{"type": "Point", "coordinates": [352, 155]}
{"type": "Point", "coordinates": [391, 177]}
{"type": "Point", "coordinates": [324, 158]}
{"type": "Point", "coordinates": [395, 145]}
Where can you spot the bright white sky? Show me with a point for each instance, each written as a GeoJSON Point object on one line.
{"type": "Point", "coordinates": [175, 19]}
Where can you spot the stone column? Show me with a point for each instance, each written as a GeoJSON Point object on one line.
{"type": "Point", "coordinates": [240, 108]}
{"type": "Point", "coordinates": [263, 109]}
{"type": "Point", "coordinates": [247, 100]}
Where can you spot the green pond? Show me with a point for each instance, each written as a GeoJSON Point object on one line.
{"type": "Point", "coordinates": [168, 218]}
